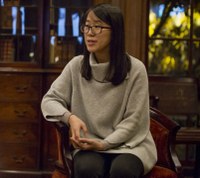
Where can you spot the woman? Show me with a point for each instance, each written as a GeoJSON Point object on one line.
{"type": "Point", "coordinates": [103, 96]}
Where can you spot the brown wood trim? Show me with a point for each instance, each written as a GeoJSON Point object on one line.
{"type": "Point", "coordinates": [188, 135]}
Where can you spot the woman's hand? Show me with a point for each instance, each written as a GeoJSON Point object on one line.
{"type": "Point", "coordinates": [88, 144]}
{"type": "Point", "coordinates": [76, 127]}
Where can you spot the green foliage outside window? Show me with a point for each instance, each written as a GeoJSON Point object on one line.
{"type": "Point", "coordinates": [174, 37]}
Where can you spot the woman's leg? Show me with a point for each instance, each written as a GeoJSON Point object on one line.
{"type": "Point", "coordinates": [88, 164]}
{"type": "Point", "coordinates": [126, 166]}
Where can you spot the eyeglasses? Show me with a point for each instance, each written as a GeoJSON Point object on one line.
{"type": "Point", "coordinates": [94, 29]}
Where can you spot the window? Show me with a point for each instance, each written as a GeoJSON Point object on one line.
{"type": "Point", "coordinates": [174, 37]}
{"type": "Point", "coordinates": [65, 38]}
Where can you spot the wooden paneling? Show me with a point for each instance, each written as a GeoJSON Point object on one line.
{"type": "Point", "coordinates": [135, 25]}
{"type": "Point", "coordinates": [177, 96]}
{"type": "Point", "coordinates": [134, 12]}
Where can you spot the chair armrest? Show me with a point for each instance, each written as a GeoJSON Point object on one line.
{"type": "Point", "coordinates": [64, 162]}
{"type": "Point", "coordinates": [177, 163]}
{"type": "Point", "coordinates": [164, 131]}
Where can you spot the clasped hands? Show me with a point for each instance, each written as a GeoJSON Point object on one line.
{"type": "Point", "coordinates": [84, 143]}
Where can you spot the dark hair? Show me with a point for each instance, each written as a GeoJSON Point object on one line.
{"type": "Point", "coordinates": [119, 60]}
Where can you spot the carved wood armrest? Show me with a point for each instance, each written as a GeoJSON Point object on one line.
{"type": "Point", "coordinates": [64, 162]}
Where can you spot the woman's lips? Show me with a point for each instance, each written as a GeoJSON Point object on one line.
{"type": "Point", "coordinates": [91, 42]}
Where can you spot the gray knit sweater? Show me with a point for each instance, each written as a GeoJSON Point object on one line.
{"type": "Point", "coordinates": [118, 115]}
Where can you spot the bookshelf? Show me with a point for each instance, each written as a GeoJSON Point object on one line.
{"type": "Point", "coordinates": [37, 38]}
{"type": "Point", "coordinates": [20, 31]}
{"type": "Point", "coordinates": [63, 37]}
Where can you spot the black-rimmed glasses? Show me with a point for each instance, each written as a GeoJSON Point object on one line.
{"type": "Point", "coordinates": [96, 29]}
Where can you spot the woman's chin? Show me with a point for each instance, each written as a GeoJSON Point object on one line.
{"type": "Point", "coordinates": [91, 49]}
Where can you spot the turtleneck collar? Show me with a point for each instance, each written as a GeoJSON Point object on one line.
{"type": "Point", "coordinates": [99, 70]}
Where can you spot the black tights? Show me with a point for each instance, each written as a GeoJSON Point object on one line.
{"type": "Point", "coordinates": [89, 164]}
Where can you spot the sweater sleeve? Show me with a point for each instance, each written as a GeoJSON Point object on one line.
{"type": "Point", "coordinates": [56, 102]}
{"type": "Point", "coordinates": [134, 126]}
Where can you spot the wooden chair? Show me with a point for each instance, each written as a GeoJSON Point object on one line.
{"type": "Point", "coordinates": [179, 98]}
{"type": "Point", "coordinates": [164, 132]}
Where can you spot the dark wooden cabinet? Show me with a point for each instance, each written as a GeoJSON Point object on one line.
{"type": "Point", "coordinates": [28, 142]}
{"type": "Point", "coordinates": [20, 121]}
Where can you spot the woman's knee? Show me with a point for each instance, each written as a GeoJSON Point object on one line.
{"type": "Point", "coordinates": [126, 166]}
{"type": "Point", "coordinates": [88, 165]}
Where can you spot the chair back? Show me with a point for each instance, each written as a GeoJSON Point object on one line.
{"type": "Point", "coordinates": [164, 132]}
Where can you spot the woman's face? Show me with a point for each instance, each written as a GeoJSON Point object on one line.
{"type": "Point", "coordinates": [97, 43]}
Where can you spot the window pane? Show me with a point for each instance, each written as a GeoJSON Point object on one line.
{"type": "Point", "coordinates": [19, 31]}
{"type": "Point", "coordinates": [26, 49]}
{"type": "Point", "coordinates": [62, 49]}
{"type": "Point", "coordinates": [8, 21]}
{"type": "Point", "coordinates": [65, 39]}
{"type": "Point", "coordinates": [196, 19]}
{"type": "Point", "coordinates": [61, 21]}
{"type": "Point", "coordinates": [196, 59]}
{"type": "Point", "coordinates": [169, 18]}
{"type": "Point", "coordinates": [7, 49]}
{"type": "Point", "coordinates": [168, 57]}
{"type": "Point", "coordinates": [30, 20]}
{"type": "Point", "coordinates": [18, 20]}
{"type": "Point", "coordinates": [17, 48]}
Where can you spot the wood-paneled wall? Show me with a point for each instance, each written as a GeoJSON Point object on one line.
{"type": "Point", "coordinates": [135, 16]}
